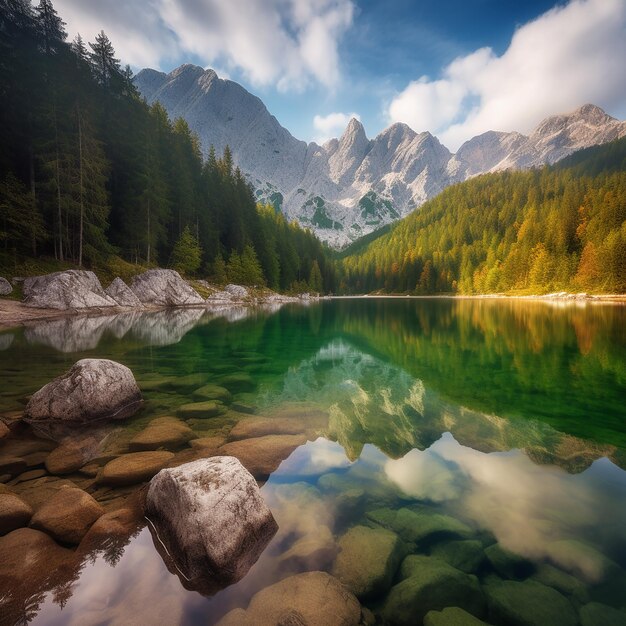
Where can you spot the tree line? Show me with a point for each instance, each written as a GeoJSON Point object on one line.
{"type": "Point", "coordinates": [550, 229]}
{"type": "Point", "coordinates": [88, 170]}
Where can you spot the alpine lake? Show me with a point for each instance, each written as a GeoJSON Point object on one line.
{"type": "Point", "coordinates": [427, 452]}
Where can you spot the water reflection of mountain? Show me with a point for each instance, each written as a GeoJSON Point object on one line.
{"type": "Point", "coordinates": [563, 366]}
{"type": "Point", "coordinates": [371, 401]}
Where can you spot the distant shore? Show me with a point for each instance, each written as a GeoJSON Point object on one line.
{"type": "Point", "coordinates": [552, 297]}
{"type": "Point", "coordinates": [14, 313]}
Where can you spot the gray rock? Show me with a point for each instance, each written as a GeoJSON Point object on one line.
{"type": "Point", "coordinates": [92, 390]}
{"type": "Point", "coordinates": [164, 288]}
{"type": "Point", "coordinates": [237, 291]}
{"type": "Point", "coordinates": [528, 603]}
{"type": "Point", "coordinates": [310, 599]}
{"type": "Point", "coordinates": [5, 287]}
{"type": "Point", "coordinates": [368, 560]}
{"type": "Point", "coordinates": [122, 293]}
{"type": "Point", "coordinates": [212, 519]}
{"type": "Point", "coordinates": [71, 289]}
{"type": "Point", "coordinates": [431, 584]}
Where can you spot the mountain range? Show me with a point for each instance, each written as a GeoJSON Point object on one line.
{"type": "Point", "coordinates": [351, 186]}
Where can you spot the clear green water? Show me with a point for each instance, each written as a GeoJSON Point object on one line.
{"type": "Point", "coordinates": [489, 422]}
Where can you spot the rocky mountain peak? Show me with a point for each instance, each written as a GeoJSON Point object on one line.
{"type": "Point", "coordinates": [353, 185]}
{"type": "Point", "coordinates": [354, 135]}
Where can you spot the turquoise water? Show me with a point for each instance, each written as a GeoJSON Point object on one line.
{"type": "Point", "coordinates": [487, 438]}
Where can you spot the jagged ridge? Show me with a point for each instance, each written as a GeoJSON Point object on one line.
{"type": "Point", "coordinates": [353, 185]}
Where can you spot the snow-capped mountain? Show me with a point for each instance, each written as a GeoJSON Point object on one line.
{"type": "Point", "coordinates": [353, 185]}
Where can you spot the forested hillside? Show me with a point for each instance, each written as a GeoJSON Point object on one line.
{"type": "Point", "coordinates": [89, 171]}
{"type": "Point", "coordinates": [556, 228]}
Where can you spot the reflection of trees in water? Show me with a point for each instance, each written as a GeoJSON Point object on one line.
{"type": "Point", "coordinates": [564, 365]}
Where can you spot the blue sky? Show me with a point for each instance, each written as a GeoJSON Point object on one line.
{"type": "Point", "coordinates": [455, 68]}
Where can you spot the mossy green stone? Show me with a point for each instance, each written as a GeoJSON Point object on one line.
{"type": "Point", "coordinates": [561, 581]}
{"type": "Point", "coordinates": [367, 560]}
{"type": "Point", "coordinates": [528, 603]}
{"type": "Point", "coordinates": [210, 408]}
{"type": "Point", "coordinates": [432, 585]}
{"type": "Point", "coordinates": [594, 614]}
{"type": "Point", "coordinates": [212, 392]}
{"type": "Point", "coordinates": [418, 527]}
{"type": "Point", "coordinates": [508, 564]}
{"type": "Point", "coordinates": [452, 616]}
{"type": "Point", "coordinates": [237, 382]}
{"type": "Point", "coordinates": [465, 555]}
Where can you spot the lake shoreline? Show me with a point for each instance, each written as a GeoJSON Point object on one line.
{"type": "Point", "coordinates": [14, 314]}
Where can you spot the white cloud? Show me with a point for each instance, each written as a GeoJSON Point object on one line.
{"type": "Point", "coordinates": [331, 125]}
{"type": "Point", "coordinates": [287, 43]}
{"type": "Point", "coordinates": [567, 57]}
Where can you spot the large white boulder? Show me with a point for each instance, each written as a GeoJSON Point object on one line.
{"type": "Point", "coordinates": [122, 293]}
{"type": "Point", "coordinates": [70, 289]}
{"type": "Point", "coordinates": [212, 520]}
{"type": "Point", "coordinates": [92, 390]}
{"type": "Point", "coordinates": [164, 288]}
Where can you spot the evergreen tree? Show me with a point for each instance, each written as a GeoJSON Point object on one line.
{"type": "Point", "coordinates": [315, 278]}
{"type": "Point", "coordinates": [104, 64]}
{"type": "Point", "coordinates": [21, 224]}
{"type": "Point", "coordinates": [220, 275]}
{"type": "Point", "coordinates": [187, 253]}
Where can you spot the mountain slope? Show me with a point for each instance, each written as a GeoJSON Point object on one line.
{"type": "Point", "coordinates": [353, 185]}
{"type": "Point", "coordinates": [551, 229]}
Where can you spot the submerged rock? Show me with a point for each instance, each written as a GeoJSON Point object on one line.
{"type": "Point", "coordinates": [163, 432]}
{"type": "Point", "coordinates": [133, 468]}
{"type": "Point", "coordinates": [581, 559]}
{"type": "Point", "coordinates": [508, 564]}
{"type": "Point", "coordinates": [164, 288]}
{"type": "Point", "coordinates": [452, 616]}
{"type": "Point", "coordinates": [67, 516]}
{"type": "Point", "coordinates": [122, 293]}
{"type": "Point", "coordinates": [5, 287]}
{"type": "Point", "coordinates": [262, 455]}
{"type": "Point", "coordinates": [14, 513]}
{"type": "Point", "coordinates": [74, 452]}
{"type": "Point", "coordinates": [419, 526]}
{"type": "Point", "coordinates": [71, 289]}
{"type": "Point", "coordinates": [368, 560]}
{"type": "Point", "coordinates": [465, 555]}
{"type": "Point", "coordinates": [4, 430]}
{"type": "Point", "coordinates": [564, 583]}
{"type": "Point", "coordinates": [208, 408]}
{"type": "Point", "coordinates": [212, 392]}
{"type": "Point", "coordinates": [528, 603]}
{"type": "Point", "coordinates": [92, 390]}
{"type": "Point", "coordinates": [595, 613]}
{"type": "Point", "coordinates": [431, 584]}
{"type": "Point", "coordinates": [212, 520]}
{"type": "Point", "coordinates": [310, 599]}
{"type": "Point", "coordinates": [314, 550]}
